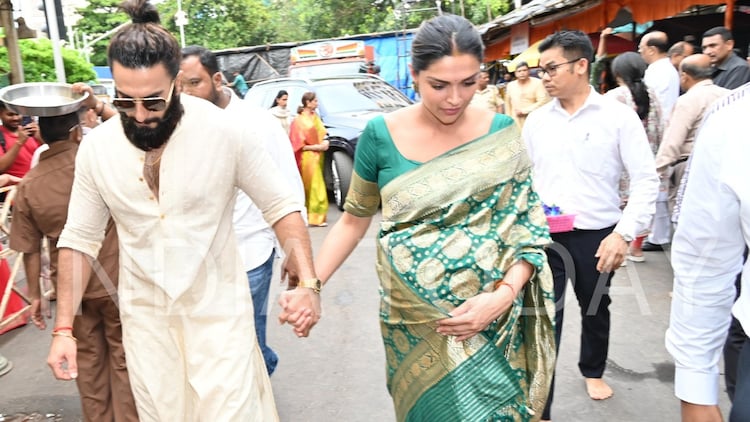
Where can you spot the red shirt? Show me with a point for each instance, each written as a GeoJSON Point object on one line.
{"type": "Point", "coordinates": [22, 163]}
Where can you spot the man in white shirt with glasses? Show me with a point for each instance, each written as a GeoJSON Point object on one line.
{"type": "Point", "coordinates": [580, 143]}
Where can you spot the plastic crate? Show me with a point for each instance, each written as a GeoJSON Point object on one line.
{"type": "Point", "coordinates": [561, 223]}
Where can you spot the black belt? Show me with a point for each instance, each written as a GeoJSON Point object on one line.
{"type": "Point", "coordinates": [681, 160]}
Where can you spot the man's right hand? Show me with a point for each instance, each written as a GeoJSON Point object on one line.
{"type": "Point", "coordinates": [700, 413]}
{"type": "Point", "coordinates": [23, 135]}
{"type": "Point", "coordinates": [80, 88]}
{"type": "Point", "coordinates": [36, 314]}
{"type": "Point", "coordinates": [62, 358]}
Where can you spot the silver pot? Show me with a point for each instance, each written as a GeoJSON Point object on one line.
{"type": "Point", "coordinates": [44, 99]}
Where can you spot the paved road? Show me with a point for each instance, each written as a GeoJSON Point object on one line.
{"type": "Point", "coordinates": [338, 374]}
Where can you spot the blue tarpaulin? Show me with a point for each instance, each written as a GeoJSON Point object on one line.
{"type": "Point", "coordinates": [392, 55]}
{"type": "Point", "coordinates": [103, 72]}
{"type": "Point", "coordinates": [259, 63]}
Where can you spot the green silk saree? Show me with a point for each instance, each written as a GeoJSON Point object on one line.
{"type": "Point", "coordinates": [451, 228]}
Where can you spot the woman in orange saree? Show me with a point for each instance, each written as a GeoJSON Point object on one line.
{"type": "Point", "coordinates": [307, 134]}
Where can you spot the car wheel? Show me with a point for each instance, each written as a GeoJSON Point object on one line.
{"type": "Point", "coordinates": [341, 177]}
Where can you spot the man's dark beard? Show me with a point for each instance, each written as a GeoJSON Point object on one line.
{"type": "Point", "coordinates": [148, 138]}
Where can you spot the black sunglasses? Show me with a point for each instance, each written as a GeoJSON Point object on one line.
{"type": "Point", "coordinates": [127, 105]}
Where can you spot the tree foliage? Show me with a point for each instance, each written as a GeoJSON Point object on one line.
{"type": "Point", "coordinates": [39, 64]}
{"type": "Point", "coordinates": [97, 18]}
{"type": "Point", "coordinates": [220, 24]}
{"type": "Point", "coordinates": [217, 24]}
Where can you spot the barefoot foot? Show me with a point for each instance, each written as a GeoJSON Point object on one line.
{"type": "Point", "coordinates": [598, 389]}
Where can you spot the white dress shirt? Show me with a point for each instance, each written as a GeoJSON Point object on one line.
{"type": "Point", "coordinates": [713, 229]}
{"type": "Point", "coordinates": [255, 238]}
{"type": "Point", "coordinates": [578, 161]}
{"type": "Point", "coordinates": [663, 78]}
{"type": "Point", "coordinates": [37, 154]}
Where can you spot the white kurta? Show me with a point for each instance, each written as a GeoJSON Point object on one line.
{"type": "Point", "coordinates": [186, 310]}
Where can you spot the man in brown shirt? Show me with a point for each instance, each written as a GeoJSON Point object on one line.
{"type": "Point", "coordinates": [40, 209]}
{"type": "Point", "coordinates": [487, 95]}
{"type": "Point", "coordinates": [524, 95]}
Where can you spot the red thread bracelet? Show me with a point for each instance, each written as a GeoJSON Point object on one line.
{"type": "Point", "coordinates": [62, 329]}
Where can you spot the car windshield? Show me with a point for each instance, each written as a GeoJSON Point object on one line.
{"type": "Point", "coordinates": [360, 95]}
{"type": "Point", "coordinates": [324, 70]}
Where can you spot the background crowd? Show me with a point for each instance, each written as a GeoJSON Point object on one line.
{"type": "Point", "coordinates": [469, 271]}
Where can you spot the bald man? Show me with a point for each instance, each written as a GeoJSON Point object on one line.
{"type": "Point", "coordinates": [677, 142]}
{"type": "Point", "coordinates": [678, 51]}
{"type": "Point", "coordinates": [661, 75]}
{"type": "Point", "coordinates": [663, 78]}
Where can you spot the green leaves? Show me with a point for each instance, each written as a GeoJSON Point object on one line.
{"type": "Point", "coordinates": [39, 65]}
{"type": "Point", "coordinates": [221, 24]}
{"type": "Point", "coordinates": [98, 17]}
{"type": "Point", "coordinates": [218, 24]}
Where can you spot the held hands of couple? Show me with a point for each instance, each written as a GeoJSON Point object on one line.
{"type": "Point", "coordinates": [300, 307]}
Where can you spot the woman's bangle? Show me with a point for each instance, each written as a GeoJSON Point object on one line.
{"type": "Point", "coordinates": [62, 329]}
{"type": "Point", "coordinates": [68, 335]}
{"type": "Point", "coordinates": [501, 283]}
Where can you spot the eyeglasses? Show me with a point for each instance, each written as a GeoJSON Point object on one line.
{"type": "Point", "coordinates": [127, 105]}
{"type": "Point", "coordinates": [551, 70]}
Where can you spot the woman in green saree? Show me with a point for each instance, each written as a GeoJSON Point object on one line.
{"type": "Point", "coordinates": [466, 294]}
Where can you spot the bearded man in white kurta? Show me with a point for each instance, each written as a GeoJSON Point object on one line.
{"type": "Point", "coordinates": [167, 171]}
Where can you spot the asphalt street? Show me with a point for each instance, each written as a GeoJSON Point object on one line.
{"type": "Point", "coordinates": [338, 373]}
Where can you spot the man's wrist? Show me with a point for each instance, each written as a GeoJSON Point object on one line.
{"type": "Point", "coordinates": [311, 283]}
{"type": "Point", "coordinates": [626, 237]}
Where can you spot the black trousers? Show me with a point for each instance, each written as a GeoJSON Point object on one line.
{"type": "Point", "coordinates": [741, 406]}
{"type": "Point", "coordinates": [735, 340]}
{"type": "Point", "coordinates": [572, 257]}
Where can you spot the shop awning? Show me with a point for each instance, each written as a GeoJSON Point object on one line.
{"type": "Point", "coordinates": [615, 45]}
{"type": "Point", "coordinates": [590, 16]}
